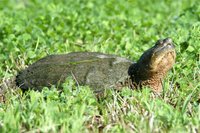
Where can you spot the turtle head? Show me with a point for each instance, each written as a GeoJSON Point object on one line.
{"type": "Point", "coordinates": [161, 57]}
{"type": "Point", "coordinates": [154, 64]}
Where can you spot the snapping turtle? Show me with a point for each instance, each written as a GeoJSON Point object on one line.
{"type": "Point", "coordinates": [101, 71]}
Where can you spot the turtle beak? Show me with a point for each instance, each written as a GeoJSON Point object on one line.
{"type": "Point", "coordinates": [161, 51]}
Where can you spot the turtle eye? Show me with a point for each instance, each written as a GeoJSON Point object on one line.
{"type": "Point", "coordinates": [159, 42]}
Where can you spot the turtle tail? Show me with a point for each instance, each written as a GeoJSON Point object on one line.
{"type": "Point", "coordinates": [20, 81]}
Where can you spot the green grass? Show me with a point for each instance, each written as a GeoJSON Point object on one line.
{"type": "Point", "coordinates": [29, 30]}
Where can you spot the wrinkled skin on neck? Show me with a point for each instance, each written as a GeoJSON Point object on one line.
{"type": "Point", "coordinates": [153, 65]}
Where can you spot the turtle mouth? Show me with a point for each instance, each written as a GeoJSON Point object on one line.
{"type": "Point", "coordinates": [163, 54]}
{"type": "Point", "coordinates": [163, 51]}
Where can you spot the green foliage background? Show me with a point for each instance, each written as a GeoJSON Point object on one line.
{"type": "Point", "coordinates": [31, 29]}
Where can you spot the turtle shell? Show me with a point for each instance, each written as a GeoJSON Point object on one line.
{"type": "Point", "coordinates": [97, 70]}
